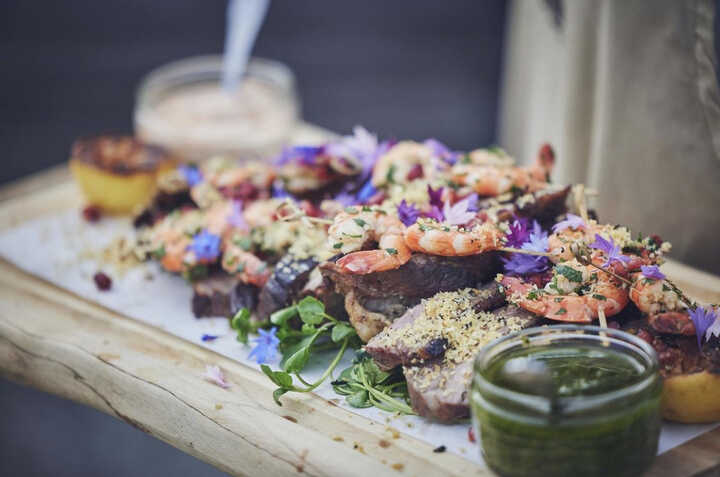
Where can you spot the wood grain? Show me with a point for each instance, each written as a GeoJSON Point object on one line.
{"type": "Point", "coordinates": [55, 341]}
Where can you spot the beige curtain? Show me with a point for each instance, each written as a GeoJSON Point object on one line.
{"type": "Point", "coordinates": [627, 92]}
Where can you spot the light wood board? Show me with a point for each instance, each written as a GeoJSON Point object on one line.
{"type": "Point", "coordinates": [60, 343]}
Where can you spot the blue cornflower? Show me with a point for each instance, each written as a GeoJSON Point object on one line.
{"type": "Point", "coordinates": [205, 245]}
{"type": "Point", "coordinates": [366, 192]}
{"type": "Point", "coordinates": [191, 174]}
{"type": "Point", "coordinates": [266, 345]}
{"type": "Point", "coordinates": [206, 337]}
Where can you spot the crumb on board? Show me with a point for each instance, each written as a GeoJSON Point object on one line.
{"type": "Point", "coordinates": [338, 439]}
{"type": "Point", "coordinates": [383, 443]}
{"type": "Point", "coordinates": [218, 406]}
{"type": "Point", "coordinates": [358, 447]}
{"type": "Point", "coordinates": [393, 432]}
{"type": "Point", "coordinates": [439, 449]}
{"type": "Point", "coordinates": [291, 419]}
{"type": "Point", "coordinates": [398, 466]}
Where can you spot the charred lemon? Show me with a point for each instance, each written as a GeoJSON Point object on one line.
{"type": "Point", "coordinates": [117, 173]}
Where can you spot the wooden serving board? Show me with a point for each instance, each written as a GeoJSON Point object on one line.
{"type": "Point", "coordinates": [60, 343]}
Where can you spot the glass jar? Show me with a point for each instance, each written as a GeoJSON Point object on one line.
{"type": "Point", "coordinates": [182, 107]}
{"type": "Point", "coordinates": [567, 400]}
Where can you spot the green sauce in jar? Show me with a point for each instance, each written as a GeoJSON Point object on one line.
{"type": "Point", "coordinates": [567, 400]}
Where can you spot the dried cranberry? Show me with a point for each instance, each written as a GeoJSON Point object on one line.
{"type": "Point", "coordinates": [415, 173]}
{"type": "Point", "coordinates": [102, 281]}
{"type": "Point", "coordinates": [92, 213]}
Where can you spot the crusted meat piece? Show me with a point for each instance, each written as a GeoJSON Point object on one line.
{"type": "Point", "coordinates": [222, 295]}
{"type": "Point", "coordinates": [389, 351]}
{"type": "Point", "coordinates": [285, 284]}
{"type": "Point", "coordinates": [436, 342]}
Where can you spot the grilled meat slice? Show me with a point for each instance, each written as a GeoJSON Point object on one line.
{"type": "Point", "coordinates": [440, 391]}
{"type": "Point", "coordinates": [285, 284]}
{"type": "Point", "coordinates": [422, 276]}
{"type": "Point", "coordinates": [389, 352]}
{"type": "Point", "coordinates": [436, 342]}
{"type": "Point", "coordinates": [222, 295]}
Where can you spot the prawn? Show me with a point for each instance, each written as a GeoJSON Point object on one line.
{"type": "Point", "coordinates": [405, 161]}
{"type": "Point", "coordinates": [666, 312]}
{"type": "Point", "coordinates": [438, 239]}
{"type": "Point", "coordinates": [494, 180]}
{"type": "Point", "coordinates": [576, 293]}
{"type": "Point", "coordinates": [353, 228]}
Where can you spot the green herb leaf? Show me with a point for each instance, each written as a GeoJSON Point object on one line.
{"type": "Point", "coordinates": [390, 173]}
{"type": "Point", "coordinates": [569, 273]}
{"type": "Point", "coordinates": [159, 253]}
{"type": "Point", "coordinates": [340, 332]}
{"type": "Point", "coordinates": [351, 210]}
{"type": "Point", "coordinates": [360, 222]}
{"type": "Point", "coordinates": [281, 317]}
{"type": "Point", "coordinates": [359, 399]}
{"type": "Point", "coordinates": [312, 310]}
{"type": "Point", "coordinates": [597, 296]}
{"type": "Point", "coordinates": [391, 251]}
{"type": "Point", "coordinates": [561, 311]}
{"type": "Point", "coordinates": [277, 393]}
{"type": "Point", "coordinates": [241, 323]}
{"type": "Point", "coordinates": [337, 245]}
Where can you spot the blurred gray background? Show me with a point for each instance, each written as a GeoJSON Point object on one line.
{"type": "Point", "coordinates": [406, 68]}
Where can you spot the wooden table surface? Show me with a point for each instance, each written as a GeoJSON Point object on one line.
{"type": "Point", "coordinates": [60, 343]}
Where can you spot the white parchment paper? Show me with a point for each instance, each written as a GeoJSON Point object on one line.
{"type": "Point", "coordinates": [58, 248]}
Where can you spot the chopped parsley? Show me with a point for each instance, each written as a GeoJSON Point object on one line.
{"type": "Point", "coordinates": [569, 273]}
{"type": "Point", "coordinates": [599, 297]}
{"type": "Point", "coordinates": [561, 311]}
{"type": "Point", "coordinates": [391, 251]}
{"type": "Point", "coordinates": [390, 173]}
{"type": "Point", "coordinates": [360, 222]}
{"type": "Point", "coordinates": [351, 210]}
{"type": "Point", "coordinates": [337, 245]}
{"type": "Point", "coordinates": [159, 253]}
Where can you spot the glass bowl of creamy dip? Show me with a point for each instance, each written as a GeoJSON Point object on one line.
{"type": "Point", "coordinates": [181, 106]}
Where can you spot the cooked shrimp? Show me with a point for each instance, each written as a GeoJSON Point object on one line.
{"type": "Point", "coordinates": [243, 264]}
{"type": "Point", "coordinates": [492, 180]}
{"type": "Point", "coordinates": [354, 227]}
{"type": "Point", "coordinates": [170, 238]}
{"type": "Point", "coordinates": [575, 293]}
{"type": "Point", "coordinates": [665, 311]}
{"type": "Point", "coordinates": [404, 161]}
{"type": "Point", "coordinates": [438, 239]}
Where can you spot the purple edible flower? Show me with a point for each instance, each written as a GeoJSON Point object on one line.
{"type": "Point", "coordinates": [305, 155]}
{"type": "Point", "coordinates": [519, 232]}
{"type": "Point", "coordinates": [652, 271]}
{"type": "Point", "coordinates": [702, 318]}
{"type": "Point", "coordinates": [345, 198]}
{"type": "Point", "coordinates": [435, 213]}
{"type": "Point", "coordinates": [714, 329]}
{"type": "Point", "coordinates": [458, 214]}
{"type": "Point", "coordinates": [435, 196]}
{"type": "Point", "coordinates": [278, 191]}
{"type": "Point", "coordinates": [205, 245]}
{"type": "Point", "coordinates": [209, 337]}
{"type": "Point", "coordinates": [266, 345]}
{"type": "Point", "coordinates": [473, 200]}
{"type": "Point", "coordinates": [362, 146]}
{"type": "Point", "coordinates": [522, 264]}
{"type": "Point", "coordinates": [441, 151]}
{"type": "Point", "coordinates": [571, 222]}
{"type": "Point", "coordinates": [215, 375]}
{"type": "Point", "coordinates": [236, 217]}
{"type": "Point", "coordinates": [612, 251]}
{"type": "Point", "coordinates": [192, 175]}
{"type": "Point", "coordinates": [407, 213]}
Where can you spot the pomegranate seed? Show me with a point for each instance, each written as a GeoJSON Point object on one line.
{"type": "Point", "coordinates": [415, 173]}
{"type": "Point", "coordinates": [471, 434]}
{"type": "Point", "coordinates": [102, 281]}
{"type": "Point", "coordinates": [92, 213]}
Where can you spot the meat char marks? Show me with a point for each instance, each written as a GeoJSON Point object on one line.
{"type": "Point", "coordinates": [374, 300]}
{"type": "Point", "coordinates": [436, 341]}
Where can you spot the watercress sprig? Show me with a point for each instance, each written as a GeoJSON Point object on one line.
{"type": "Point", "coordinates": [365, 385]}
{"type": "Point", "coordinates": [317, 331]}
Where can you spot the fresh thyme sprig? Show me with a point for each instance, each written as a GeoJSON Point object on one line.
{"type": "Point", "coordinates": [296, 213]}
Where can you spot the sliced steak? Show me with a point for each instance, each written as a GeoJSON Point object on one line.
{"type": "Point", "coordinates": [222, 295]}
{"type": "Point", "coordinates": [285, 284]}
{"type": "Point", "coordinates": [393, 347]}
{"type": "Point", "coordinates": [436, 342]}
{"type": "Point", "coordinates": [440, 391]}
{"type": "Point", "coordinates": [422, 276]}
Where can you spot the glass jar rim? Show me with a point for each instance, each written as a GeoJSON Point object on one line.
{"type": "Point", "coordinates": [195, 69]}
{"type": "Point", "coordinates": [571, 404]}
